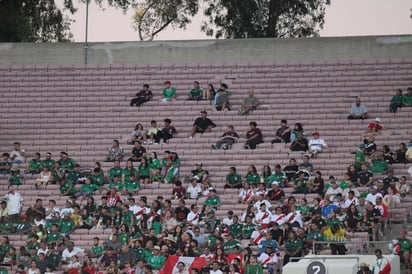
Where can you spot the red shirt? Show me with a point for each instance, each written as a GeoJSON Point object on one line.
{"type": "Point", "coordinates": [374, 127]}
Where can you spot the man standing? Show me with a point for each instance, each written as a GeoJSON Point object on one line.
{"type": "Point", "coordinates": [14, 204]}
{"type": "Point", "coordinates": [381, 264]}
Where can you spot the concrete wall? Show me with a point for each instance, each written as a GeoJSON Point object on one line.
{"type": "Point", "coordinates": [210, 51]}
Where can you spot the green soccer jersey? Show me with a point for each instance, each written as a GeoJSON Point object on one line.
{"type": "Point", "coordinates": [379, 166]}
{"type": "Point", "coordinates": [98, 250]}
{"type": "Point", "coordinates": [131, 186]}
{"type": "Point", "coordinates": [34, 165]}
{"type": "Point", "coordinates": [302, 185]}
{"type": "Point", "coordinates": [48, 163]}
{"type": "Point", "coordinates": [157, 227]}
{"type": "Point", "coordinates": [128, 172]}
{"type": "Point", "coordinates": [229, 245]}
{"type": "Point", "coordinates": [253, 269]}
{"type": "Point", "coordinates": [144, 171]}
{"type": "Point", "coordinates": [53, 237]}
{"type": "Point", "coordinates": [212, 201]}
{"type": "Point", "coordinates": [15, 179]}
{"type": "Point", "coordinates": [115, 172]}
{"type": "Point", "coordinates": [155, 164]}
{"type": "Point", "coordinates": [314, 235]}
{"type": "Point", "coordinates": [67, 186]}
{"type": "Point", "coordinates": [31, 246]}
{"type": "Point", "coordinates": [140, 253]}
{"type": "Point", "coordinates": [118, 186]}
{"type": "Point", "coordinates": [124, 237]}
{"type": "Point", "coordinates": [212, 224]}
{"type": "Point", "coordinates": [68, 164]}
{"type": "Point", "coordinates": [407, 99]}
{"type": "Point", "coordinates": [66, 226]}
{"type": "Point", "coordinates": [293, 245]}
{"type": "Point", "coordinates": [359, 159]}
{"type": "Point", "coordinates": [252, 179]}
{"type": "Point", "coordinates": [248, 229]}
{"type": "Point", "coordinates": [169, 93]}
{"type": "Point", "coordinates": [195, 92]}
{"type": "Point", "coordinates": [235, 229]}
{"type": "Point", "coordinates": [211, 240]}
{"type": "Point", "coordinates": [157, 262]}
{"type": "Point", "coordinates": [405, 244]}
{"type": "Point", "coordinates": [304, 210]}
{"type": "Point", "coordinates": [129, 219]}
{"type": "Point", "coordinates": [234, 179]}
{"type": "Point", "coordinates": [98, 180]}
{"type": "Point", "coordinates": [74, 175]}
{"type": "Point", "coordinates": [89, 188]}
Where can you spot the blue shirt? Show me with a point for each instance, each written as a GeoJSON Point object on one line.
{"type": "Point", "coordinates": [326, 210]}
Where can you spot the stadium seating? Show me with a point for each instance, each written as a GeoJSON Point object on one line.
{"type": "Point", "coordinates": [81, 109]}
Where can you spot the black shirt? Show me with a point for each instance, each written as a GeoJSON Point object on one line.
{"type": "Point", "coordinates": [181, 214]}
{"type": "Point", "coordinates": [364, 177]}
{"type": "Point", "coordinates": [203, 123]}
{"type": "Point", "coordinates": [275, 195]}
{"type": "Point", "coordinates": [138, 152]}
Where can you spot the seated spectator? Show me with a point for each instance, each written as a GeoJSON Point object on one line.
{"type": "Point", "coordinates": [365, 177]}
{"type": "Point", "coordinates": [388, 155]}
{"type": "Point", "coordinates": [66, 163]}
{"type": "Point", "coordinates": [300, 186]}
{"type": "Point", "coordinates": [283, 133]}
{"type": "Point", "coordinates": [179, 191]}
{"type": "Point", "coordinates": [142, 96]}
{"type": "Point", "coordinates": [209, 92]}
{"type": "Point", "coordinates": [407, 98]}
{"type": "Point", "coordinates": [396, 101]}
{"type": "Point", "coordinates": [374, 128]}
{"type": "Point", "coordinates": [246, 194]}
{"type": "Point", "coordinates": [167, 132]}
{"type": "Point", "coordinates": [222, 101]}
{"type": "Point", "coordinates": [358, 110]}
{"type": "Point", "coordinates": [317, 145]}
{"type": "Point", "coordinates": [49, 162]}
{"type": "Point", "coordinates": [317, 184]}
{"type": "Point", "coordinates": [227, 139]}
{"type": "Point", "coordinates": [306, 166]}
{"type": "Point", "coordinates": [15, 177]}
{"type": "Point", "coordinates": [202, 124]}
{"type": "Point", "coordinates": [300, 144]}
{"type": "Point", "coordinates": [233, 179]}
{"type": "Point", "coordinates": [379, 165]}
{"type": "Point", "coordinates": [275, 193]}
{"type": "Point", "coordinates": [116, 152]}
{"type": "Point", "coordinates": [35, 164]}
{"type": "Point", "coordinates": [370, 146]}
{"type": "Point", "coordinates": [252, 177]}
{"type": "Point", "coordinates": [296, 131]}
{"type": "Point", "coordinates": [408, 155]}
{"type": "Point", "coordinates": [333, 191]}
{"type": "Point", "coordinates": [249, 103]}
{"type": "Point", "coordinates": [171, 166]}
{"type": "Point", "coordinates": [17, 155]}
{"type": "Point", "coordinates": [360, 157]}
{"type": "Point", "coordinates": [144, 171]}
{"type": "Point", "coordinates": [44, 178]}
{"type": "Point", "coordinates": [293, 247]}
{"type": "Point", "coordinates": [213, 200]}
{"type": "Point", "coordinates": [399, 155]}
{"type": "Point", "coordinates": [194, 189]}
{"type": "Point", "coordinates": [199, 173]}
{"type": "Point", "coordinates": [196, 93]}
{"type": "Point", "coordinates": [268, 259]}
{"type": "Point", "coordinates": [152, 132]}
{"type": "Point", "coordinates": [138, 152]}
{"type": "Point", "coordinates": [253, 136]}
{"type": "Point", "coordinates": [138, 134]}
{"type": "Point", "coordinates": [372, 195]}
{"type": "Point", "coordinates": [168, 92]}
{"type": "Point", "coordinates": [5, 163]}
{"type": "Point", "coordinates": [291, 169]}
{"type": "Point", "coordinates": [225, 89]}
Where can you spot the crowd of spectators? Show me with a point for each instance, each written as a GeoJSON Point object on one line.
{"type": "Point", "coordinates": [281, 225]}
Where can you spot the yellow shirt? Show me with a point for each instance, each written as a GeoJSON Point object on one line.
{"type": "Point", "coordinates": [337, 236]}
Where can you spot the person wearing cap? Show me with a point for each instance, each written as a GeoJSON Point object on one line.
{"type": "Point", "coordinates": [5, 163]}
{"type": "Point", "coordinates": [156, 261]}
{"type": "Point", "coordinates": [254, 136]}
{"type": "Point", "coordinates": [196, 93]}
{"type": "Point", "coordinates": [231, 243]}
{"type": "Point", "coordinates": [407, 98]}
{"type": "Point", "coordinates": [375, 127]}
{"type": "Point", "coordinates": [358, 110]}
{"type": "Point", "coordinates": [317, 145]}
{"type": "Point", "coordinates": [199, 173]}
{"type": "Point", "coordinates": [202, 124]}
{"type": "Point", "coordinates": [168, 92]}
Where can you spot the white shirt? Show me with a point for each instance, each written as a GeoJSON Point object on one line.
{"type": "Point", "coordinates": [265, 259]}
{"type": "Point", "coordinates": [379, 265]}
{"type": "Point", "coordinates": [216, 272]}
{"type": "Point", "coordinates": [44, 251]}
{"type": "Point", "coordinates": [246, 195]}
{"type": "Point", "coordinates": [372, 198]}
{"type": "Point", "coordinates": [66, 211]}
{"type": "Point", "coordinates": [267, 203]}
{"type": "Point", "coordinates": [280, 219]}
{"type": "Point", "coordinates": [14, 203]}
{"type": "Point", "coordinates": [194, 191]}
{"type": "Point", "coordinates": [66, 255]}
{"type": "Point", "coordinates": [193, 218]}
{"type": "Point", "coordinates": [53, 211]}
{"type": "Point", "coordinates": [348, 202]}
{"type": "Point", "coordinates": [263, 217]}
{"type": "Point", "coordinates": [227, 221]}
{"type": "Point", "coordinates": [18, 155]}
{"type": "Point", "coordinates": [294, 217]}
{"type": "Point", "coordinates": [318, 143]}
{"type": "Point", "coordinates": [134, 208]}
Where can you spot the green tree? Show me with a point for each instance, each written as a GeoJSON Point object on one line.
{"type": "Point", "coordinates": [153, 16]}
{"type": "Point", "coordinates": [264, 18]}
{"type": "Point", "coordinates": [42, 20]}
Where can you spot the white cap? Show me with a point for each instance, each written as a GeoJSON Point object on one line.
{"type": "Point", "coordinates": [275, 183]}
{"type": "Point", "coordinates": [378, 119]}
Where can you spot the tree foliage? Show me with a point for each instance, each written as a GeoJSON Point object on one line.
{"type": "Point", "coordinates": [264, 18]}
{"type": "Point", "coordinates": [153, 16]}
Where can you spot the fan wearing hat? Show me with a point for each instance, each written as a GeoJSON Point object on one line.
{"type": "Point", "coordinates": [156, 261]}
{"type": "Point", "coordinates": [168, 92]}
{"type": "Point", "coordinates": [317, 144]}
{"type": "Point", "coordinates": [199, 173]}
{"type": "Point", "coordinates": [375, 127]}
{"type": "Point", "coordinates": [202, 124]}
{"type": "Point", "coordinates": [222, 101]}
